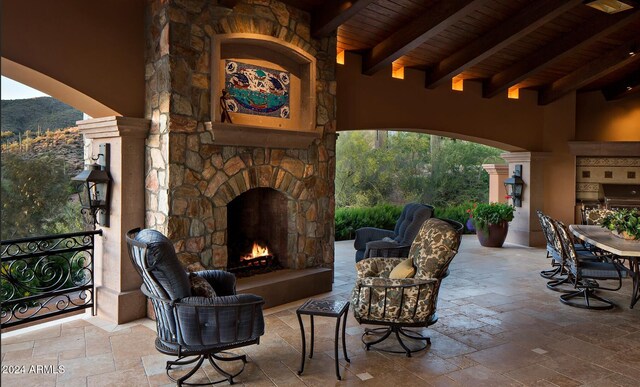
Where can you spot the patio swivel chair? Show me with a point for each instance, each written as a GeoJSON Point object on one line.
{"type": "Point", "coordinates": [194, 328]}
{"type": "Point", "coordinates": [585, 274]}
{"type": "Point", "coordinates": [376, 242]}
{"type": "Point", "coordinates": [399, 304]}
{"type": "Point", "coordinates": [558, 275]}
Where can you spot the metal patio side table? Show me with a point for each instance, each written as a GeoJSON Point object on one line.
{"type": "Point", "coordinates": [325, 308]}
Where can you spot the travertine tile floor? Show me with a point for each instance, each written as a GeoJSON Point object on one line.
{"type": "Point", "coordinates": [498, 326]}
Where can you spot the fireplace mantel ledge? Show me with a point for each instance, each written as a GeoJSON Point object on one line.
{"type": "Point", "coordinates": [260, 136]}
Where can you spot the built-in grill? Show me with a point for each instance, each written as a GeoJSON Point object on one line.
{"type": "Point", "coordinates": [621, 195]}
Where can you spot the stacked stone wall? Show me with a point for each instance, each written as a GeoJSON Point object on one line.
{"type": "Point", "coordinates": [190, 179]}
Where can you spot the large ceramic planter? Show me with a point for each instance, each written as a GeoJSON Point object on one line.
{"type": "Point", "coordinates": [494, 235]}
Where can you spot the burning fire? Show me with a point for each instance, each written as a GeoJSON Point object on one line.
{"type": "Point", "coordinates": [257, 251]}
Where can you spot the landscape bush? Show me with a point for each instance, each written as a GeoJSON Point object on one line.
{"type": "Point", "coordinates": [349, 219]}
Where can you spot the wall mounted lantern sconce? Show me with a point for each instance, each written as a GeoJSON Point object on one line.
{"type": "Point", "coordinates": [514, 186]}
{"type": "Point", "coordinates": [95, 190]}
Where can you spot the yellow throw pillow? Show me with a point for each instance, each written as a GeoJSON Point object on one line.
{"type": "Point", "coordinates": [404, 269]}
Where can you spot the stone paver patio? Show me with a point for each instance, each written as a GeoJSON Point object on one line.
{"type": "Point", "coordinates": [499, 325]}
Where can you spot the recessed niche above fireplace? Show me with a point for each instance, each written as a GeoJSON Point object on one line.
{"type": "Point", "coordinates": [250, 66]}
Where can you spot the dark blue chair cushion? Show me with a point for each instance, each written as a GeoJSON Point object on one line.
{"type": "Point", "coordinates": [164, 264]}
{"type": "Point", "coordinates": [602, 270]}
{"type": "Point", "coordinates": [412, 217]}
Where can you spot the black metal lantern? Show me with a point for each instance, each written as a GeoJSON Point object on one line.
{"type": "Point", "coordinates": [514, 186]}
{"type": "Point", "coordinates": [94, 193]}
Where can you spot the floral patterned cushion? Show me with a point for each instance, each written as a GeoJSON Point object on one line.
{"type": "Point", "coordinates": [200, 287]}
{"type": "Point", "coordinates": [393, 300]}
{"type": "Point", "coordinates": [433, 249]}
{"type": "Point", "coordinates": [376, 267]}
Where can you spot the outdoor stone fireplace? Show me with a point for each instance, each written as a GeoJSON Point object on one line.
{"type": "Point", "coordinates": [212, 185]}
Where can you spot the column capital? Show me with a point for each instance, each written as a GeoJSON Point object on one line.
{"type": "Point", "coordinates": [114, 126]}
{"type": "Point", "coordinates": [496, 169]}
{"type": "Point", "coordinates": [524, 157]}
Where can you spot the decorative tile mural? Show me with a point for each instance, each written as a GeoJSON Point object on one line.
{"type": "Point", "coordinates": [257, 90]}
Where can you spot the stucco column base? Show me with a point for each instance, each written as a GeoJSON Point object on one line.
{"type": "Point", "coordinates": [119, 299]}
{"type": "Point", "coordinates": [120, 307]}
{"type": "Point", "coordinates": [525, 228]}
{"type": "Point", "coordinates": [497, 174]}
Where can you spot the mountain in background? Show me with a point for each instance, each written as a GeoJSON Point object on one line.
{"type": "Point", "coordinates": [20, 115]}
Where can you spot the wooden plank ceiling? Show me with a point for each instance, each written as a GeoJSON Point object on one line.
{"type": "Point", "coordinates": [553, 46]}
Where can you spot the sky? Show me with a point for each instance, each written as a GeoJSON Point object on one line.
{"type": "Point", "coordinates": [11, 89]}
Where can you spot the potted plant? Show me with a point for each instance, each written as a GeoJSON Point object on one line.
{"type": "Point", "coordinates": [491, 221]}
{"type": "Point", "coordinates": [623, 223]}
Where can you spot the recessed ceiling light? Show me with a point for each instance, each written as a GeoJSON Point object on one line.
{"type": "Point", "coordinates": [608, 6]}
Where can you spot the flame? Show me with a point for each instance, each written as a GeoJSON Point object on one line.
{"type": "Point", "coordinates": [257, 251]}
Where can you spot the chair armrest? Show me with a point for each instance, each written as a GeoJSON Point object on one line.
{"type": "Point", "coordinates": [223, 282]}
{"type": "Point", "coordinates": [202, 321]}
{"type": "Point", "coordinates": [368, 234]}
{"type": "Point", "coordinates": [409, 300]}
{"type": "Point", "coordinates": [376, 267]}
{"type": "Point", "coordinates": [386, 249]}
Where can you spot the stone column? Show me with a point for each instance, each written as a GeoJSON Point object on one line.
{"type": "Point", "coordinates": [525, 228]}
{"type": "Point", "coordinates": [118, 295]}
{"type": "Point", "coordinates": [497, 174]}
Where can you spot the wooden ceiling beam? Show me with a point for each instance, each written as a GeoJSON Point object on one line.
{"type": "Point", "coordinates": [513, 29]}
{"type": "Point", "coordinates": [332, 14]}
{"type": "Point", "coordinates": [592, 71]}
{"type": "Point", "coordinates": [623, 88]}
{"type": "Point", "coordinates": [439, 16]}
{"type": "Point", "coordinates": [601, 26]}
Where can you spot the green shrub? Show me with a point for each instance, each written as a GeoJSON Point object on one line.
{"type": "Point", "coordinates": [349, 219]}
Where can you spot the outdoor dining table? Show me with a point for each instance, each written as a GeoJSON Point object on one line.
{"type": "Point", "coordinates": [625, 249]}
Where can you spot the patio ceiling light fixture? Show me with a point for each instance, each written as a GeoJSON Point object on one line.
{"type": "Point", "coordinates": [94, 192]}
{"type": "Point", "coordinates": [514, 186]}
{"type": "Point", "coordinates": [608, 6]}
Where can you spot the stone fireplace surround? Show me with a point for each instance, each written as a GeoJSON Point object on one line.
{"type": "Point", "coordinates": [197, 166]}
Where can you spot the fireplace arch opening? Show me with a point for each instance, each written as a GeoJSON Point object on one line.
{"type": "Point", "coordinates": [259, 217]}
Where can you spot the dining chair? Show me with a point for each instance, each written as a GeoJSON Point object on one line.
{"type": "Point", "coordinates": [585, 275]}
{"type": "Point", "coordinates": [554, 251]}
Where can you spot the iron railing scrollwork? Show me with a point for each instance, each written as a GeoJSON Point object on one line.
{"type": "Point", "coordinates": [46, 276]}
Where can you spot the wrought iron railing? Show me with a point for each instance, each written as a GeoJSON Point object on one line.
{"type": "Point", "coordinates": [46, 276]}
